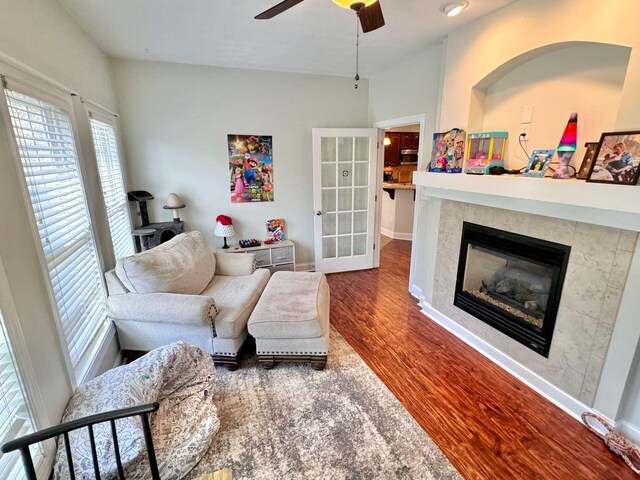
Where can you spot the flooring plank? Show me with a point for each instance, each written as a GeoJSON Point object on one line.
{"type": "Point", "coordinates": [488, 423]}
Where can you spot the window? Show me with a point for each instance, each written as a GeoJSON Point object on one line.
{"type": "Point", "coordinates": [46, 147]}
{"type": "Point", "coordinates": [105, 143]}
{"type": "Point", "coordinates": [15, 420]}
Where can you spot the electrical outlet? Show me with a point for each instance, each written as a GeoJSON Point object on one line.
{"type": "Point", "coordinates": [524, 129]}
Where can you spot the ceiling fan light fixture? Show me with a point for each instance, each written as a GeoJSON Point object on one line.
{"type": "Point", "coordinates": [349, 3]}
{"type": "Point", "coordinates": [451, 9]}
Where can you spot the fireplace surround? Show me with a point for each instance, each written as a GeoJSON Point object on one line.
{"type": "Point", "coordinates": [512, 282]}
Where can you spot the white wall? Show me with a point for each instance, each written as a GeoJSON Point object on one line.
{"type": "Point", "coordinates": [408, 88]}
{"type": "Point", "coordinates": [583, 79]}
{"type": "Point", "coordinates": [397, 214]}
{"type": "Point", "coordinates": [411, 87]}
{"type": "Point", "coordinates": [176, 119]}
{"type": "Point", "coordinates": [40, 34]}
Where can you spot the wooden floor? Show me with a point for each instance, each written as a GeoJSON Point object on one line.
{"type": "Point", "coordinates": [488, 423]}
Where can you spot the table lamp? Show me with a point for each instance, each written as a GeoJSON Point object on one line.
{"type": "Point", "coordinates": [224, 228]}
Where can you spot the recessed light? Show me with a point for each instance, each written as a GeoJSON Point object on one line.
{"type": "Point", "coordinates": [451, 9]}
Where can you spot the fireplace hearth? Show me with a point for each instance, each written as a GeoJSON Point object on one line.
{"type": "Point", "coordinates": [511, 282]}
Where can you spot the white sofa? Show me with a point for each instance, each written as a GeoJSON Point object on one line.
{"type": "Point", "coordinates": [181, 290]}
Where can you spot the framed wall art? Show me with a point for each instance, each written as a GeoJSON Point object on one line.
{"type": "Point", "coordinates": [250, 168]}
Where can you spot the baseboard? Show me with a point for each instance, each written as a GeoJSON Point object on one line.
{"type": "Point", "coordinates": [396, 235]}
{"type": "Point", "coordinates": [305, 267]}
{"type": "Point", "coordinates": [630, 431]}
{"type": "Point", "coordinates": [552, 393]}
{"type": "Point", "coordinates": [416, 292]}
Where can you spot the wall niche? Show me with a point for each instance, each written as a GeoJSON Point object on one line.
{"type": "Point", "coordinates": [558, 79]}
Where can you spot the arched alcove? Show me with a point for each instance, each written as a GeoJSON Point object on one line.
{"type": "Point", "coordinates": [558, 79]}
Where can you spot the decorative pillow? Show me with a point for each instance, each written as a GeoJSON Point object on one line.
{"type": "Point", "coordinates": [180, 378]}
{"type": "Point", "coordinates": [184, 264]}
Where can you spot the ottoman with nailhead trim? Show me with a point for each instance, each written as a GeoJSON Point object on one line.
{"type": "Point", "coordinates": [291, 320]}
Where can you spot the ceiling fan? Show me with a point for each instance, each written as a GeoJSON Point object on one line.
{"type": "Point", "coordinates": [369, 11]}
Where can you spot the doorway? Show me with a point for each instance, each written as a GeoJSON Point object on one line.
{"type": "Point", "coordinates": [404, 146]}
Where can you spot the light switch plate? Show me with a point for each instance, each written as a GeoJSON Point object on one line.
{"type": "Point", "coordinates": [527, 114]}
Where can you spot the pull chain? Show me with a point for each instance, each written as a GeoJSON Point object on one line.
{"type": "Point", "coordinates": [357, 78]}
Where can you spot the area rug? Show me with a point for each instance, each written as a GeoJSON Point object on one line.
{"type": "Point", "coordinates": [293, 422]}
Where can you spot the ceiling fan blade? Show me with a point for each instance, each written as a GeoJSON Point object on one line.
{"type": "Point", "coordinates": [371, 17]}
{"type": "Point", "coordinates": [277, 9]}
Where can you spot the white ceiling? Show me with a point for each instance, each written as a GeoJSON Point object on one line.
{"type": "Point", "coordinates": [315, 36]}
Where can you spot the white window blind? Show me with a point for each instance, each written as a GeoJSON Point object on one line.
{"type": "Point", "coordinates": [14, 415]}
{"type": "Point", "coordinates": [105, 142]}
{"type": "Point", "coordinates": [47, 150]}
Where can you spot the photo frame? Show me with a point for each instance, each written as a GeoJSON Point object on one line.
{"type": "Point", "coordinates": [538, 163]}
{"type": "Point", "coordinates": [589, 155]}
{"type": "Point", "coordinates": [617, 159]}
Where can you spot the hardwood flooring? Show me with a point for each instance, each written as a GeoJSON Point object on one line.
{"type": "Point", "coordinates": [488, 423]}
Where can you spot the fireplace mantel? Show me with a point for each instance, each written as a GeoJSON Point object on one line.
{"type": "Point", "coordinates": [616, 206]}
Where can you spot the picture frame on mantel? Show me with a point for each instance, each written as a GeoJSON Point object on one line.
{"type": "Point", "coordinates": [617, 159]}
{"type": "Point", "coordinates": [587, 161]}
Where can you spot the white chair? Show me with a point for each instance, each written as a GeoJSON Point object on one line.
{"type": "Point", "coordinates": [180, 290]}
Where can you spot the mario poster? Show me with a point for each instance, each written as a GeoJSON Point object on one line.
{"type": "Point", "coordinates": [250, 168]}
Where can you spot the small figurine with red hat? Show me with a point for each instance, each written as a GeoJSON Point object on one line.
{"type": "Point", "coordinates": [224, 228]}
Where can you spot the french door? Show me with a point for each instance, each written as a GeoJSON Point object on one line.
{"type": "Point", "coordinates": [344, 192]}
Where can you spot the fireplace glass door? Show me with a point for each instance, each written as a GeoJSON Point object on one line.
{"type": "Point", "coordinates": [512, 282]}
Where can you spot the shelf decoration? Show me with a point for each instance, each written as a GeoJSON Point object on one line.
{"type": "Point", "coordinates": [448, 151]}
{"type": "Point", "coordinates": [567, 147]}
{"type": "Point", "coordinates": [485, 150]}
{"type": "Point", "coordinates": [589, 156]}
{"type": "Point", "coordinates": [250, 168]}
{"type": "Point", "coordinates": [275, 230]}
{"type": "Point", "coordinates": [617, 159]}
{"type": "Point", "coordinates": [538, 163]}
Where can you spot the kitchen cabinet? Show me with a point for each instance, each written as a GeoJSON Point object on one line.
{"type": "Point", "coordinates": [405, 141]}
{"type": "Point", "coordinates": [415, 141]}
{"type": "Point", "coordinates": [392, 151]}
{"type": "Point", "coordinates": [399, 141]}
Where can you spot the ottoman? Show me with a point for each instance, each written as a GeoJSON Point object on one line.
{"type": "Point", "coordinates": [291, 320]}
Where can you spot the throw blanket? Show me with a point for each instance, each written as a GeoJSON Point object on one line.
{"type": "Point", "coordinates": [180, 378]}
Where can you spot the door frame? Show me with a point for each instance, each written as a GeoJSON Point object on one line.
{"type": "Point", "coordinates": [382, 125]}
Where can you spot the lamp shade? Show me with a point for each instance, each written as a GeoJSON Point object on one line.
{"type": "Point", "coordinates": [348, 3]}
{"type": "Point", "coordinates": [224, 227]}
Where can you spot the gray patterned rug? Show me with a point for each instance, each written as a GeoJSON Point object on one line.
{"type": "Point", "coordinates": [293, 422]}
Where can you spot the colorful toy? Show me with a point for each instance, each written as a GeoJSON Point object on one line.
{"type": "Point", "coordinates": [538, 163]}
{"type": "Point", "coordinates": [485, 150]}
{"type": "Point", "coordinates": [251, 242]}
{"type": "Point", "coordinates": [448, 151]}
{"type": "Point", "coordinates": [567, 147]}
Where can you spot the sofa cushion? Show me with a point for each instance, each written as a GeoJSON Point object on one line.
{"type": "Point", "coordinates": [235, 298]}
{"type": "Point", "coordinates": [294, 305]}
{"type": "Point", "coordinates": [184, 264]}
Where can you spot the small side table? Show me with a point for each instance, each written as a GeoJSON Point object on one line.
{"type": "Point", "coordinates": [276, 256]}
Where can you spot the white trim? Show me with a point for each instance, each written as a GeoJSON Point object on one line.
{"type": "Point", "coordinates": [31, 389]}
{"type": "Point", "coordinates": [396, 235]}
{"type": "Point", "coordinates": [420, 118]}
{"type": "Point", "coordinates": [305, 267]}
{"type": "Point", "coordinates": [26, 69]}
{"type": "Point", "coordinates": [629, 430]}
{"type": "Point", "coordinates": [104, 344]}
{"type": "Point", "coordinates": [552, 393]}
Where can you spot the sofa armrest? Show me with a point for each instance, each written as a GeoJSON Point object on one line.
{"type": "Point", "coordinates": [162, 308]}
{"type": "Point", "coordinates": [235, 264]}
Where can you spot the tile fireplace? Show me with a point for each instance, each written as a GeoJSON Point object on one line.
{"type": "Point", "coordinates": [512, 282]}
